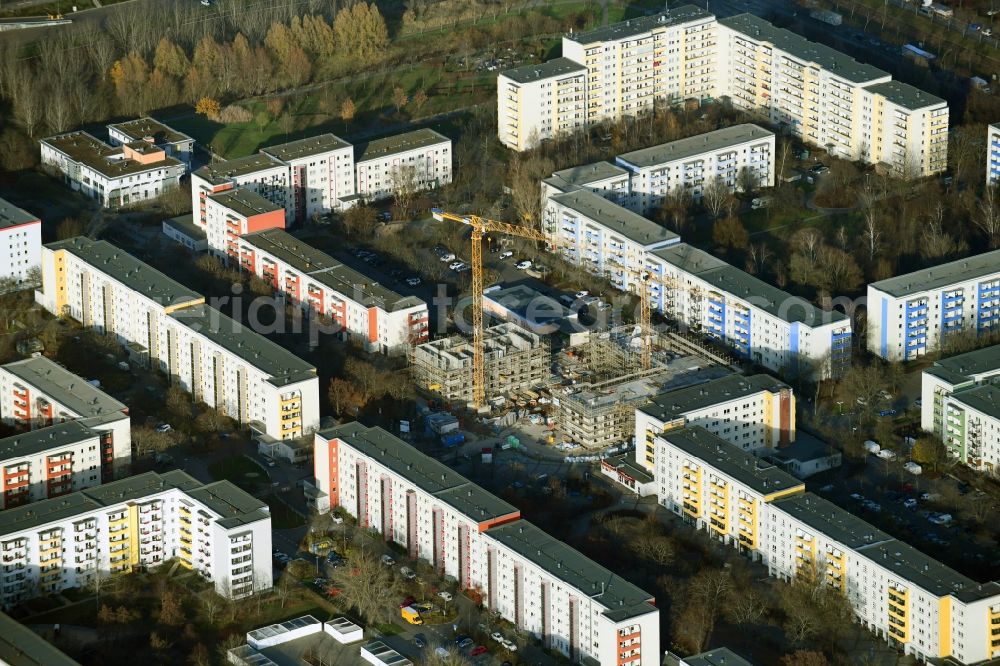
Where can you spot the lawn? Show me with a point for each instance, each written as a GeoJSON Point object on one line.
{"type": "Point", "coordinates": [240, 470]}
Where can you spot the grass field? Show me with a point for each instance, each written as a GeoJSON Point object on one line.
{"type": "Point", "coordinates": [236, 470]}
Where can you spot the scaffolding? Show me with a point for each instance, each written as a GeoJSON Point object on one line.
{"type": "Point", "coordinates": [515, 360]}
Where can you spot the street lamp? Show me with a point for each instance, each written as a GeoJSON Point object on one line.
{"type": "Point", "coordinates": [840, 407]}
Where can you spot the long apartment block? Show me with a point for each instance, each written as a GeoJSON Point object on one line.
{"type": "Point", "coordinates": [821, 95]}
{"type": "Point", "coordinates": [115, 176]}
{"type": "Point", "coordinates": [379, 318]}
{"type": "Point", "coordinates": [905, 597]}
{"type": "Point", "coordinates": [734, 157]}
{"type": "Point", "coordinates": [20, 244]}
{"type": "Point", "coordinates": [516, 359]}
{"type": "Point", "coordinates": [913, 314]}
{"type": "Point", "coordinates": [322, 174]}
{"type": "Point", "coordinates": [216, 530]}
{"type": "Point", "coordinates": [961, 405]}
{"type": "Point", "coordinates": [231, 214]}
{"type": "Point", "coordinates": [758, 321]}
{"type": "Point", "coordinates": [576, 607]}
{"type": "Point", "coordinates": [164, 325]}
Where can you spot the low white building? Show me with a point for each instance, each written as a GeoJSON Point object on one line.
{"type": "Point", "coordinates": [364, 310]}
{"type": "Point", "coordinates": [576, 607]}
{"type": "Point", "coordinates": [737, 158]}
{"type": "Point", "coordinates": [175, 144]}
{"type": "Point", "coordinates": [913, 314]}
{"type": "Point", "coordinates": [539, 102]}
{"type": "Point", "coordinates": [20, 245]}
{"type": "Point", "coordinates": [115, 176]}
{"type": "Point", "coordinates": [760, 322]}
{"type": "Point", "coordinates": [321, 175]}
{"type": "Point", "coordinates": [410, 162]}
{"type": "Point", "coordinates": [217, 530]}
{"type": "Point", "coordinates": [183, 231]}
{"type": "Point", "coordinates": [39, 394]}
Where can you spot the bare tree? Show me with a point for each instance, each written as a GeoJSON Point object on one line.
{"type": "Point", "coordinates": [759, 255]}
{"type": "Point", "coordinates": [29, 109]}
{"type": "Point", "coordinates": [987, 216]}
{"type": "Point", "coordinates": [716, 197]}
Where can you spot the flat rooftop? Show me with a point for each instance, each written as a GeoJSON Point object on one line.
{"type": "Point", "coordinates": [683, 149]}
{"type": "Point", "coordinates": [805, 448]}
{"type": "Point", "coordinates": [328, 271]}
{"type": "Point", "coordinates": [836, 523]}
{"type": "Point", "coordinates": [423, 471]}
{"type": "Point", "coordinates": [942, 275]}
{"type": "Point", "coordinates": [185, 225]}
{"type": "Point", "coordinates": [12, 216]}
{"type": "Point", "coordinates": [129, 271]}
{"type": "Point", "coordinates": [143, 128]}
{"type": "Point", "coordinates": [638, 26]}
{"type": "Point", "coordinates": [45, 439]}
{"type": "Point", "coordinates": [624, 462]}
{"type": "Point", "coordinates": [586, 174]}
{"type": "Point", "coordinates": [282, 366]}
{"type": "Point", "coordinates": [716, 657]}
{"type": "Point", "coordinates": [244, 202]}
{"type": "Point", "coordinates": [964, 367]}
{"type": "Point", "coordinates": [905, 95]}
{"type": "Point", "coordinates": [65, 388]}
{"type": "Point", "coordinates": [674, 375]}
{"type": "Point", "coordinates": [234, 506]}
{"type": "Point", "coordinates": [676, 403]}
{"type": "Point", "coordinates": [759, 475]}
{"type": "Point", "coordinates": [746, 287]}
{"type": "Point", "coordinates": [308, 147]}
{"type": "Point", "coordinates": [222, 172]}
{"type": "Point", "coordinates": [800, 48]}
{"type": "Point", "coordinates": [398, 143]}
{"type": "Point", "coordinates": [615, 219]}
{"type": "Point", "coordinates": [984, 398]}
{"type": "Point", "coordinates": [20, 646]}
{"type": "Point", "coordinates": [107, 160]}
{"type": "Point", "coordinates": [622, 599]}
{"type": "Point", "coordinates": [529, 304]}
{"type": "Point", "coordinates": [546, 70]}
{"type": "Point", "coordinates": [44, 512]}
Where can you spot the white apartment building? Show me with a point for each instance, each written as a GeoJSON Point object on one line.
{"type": "Point", "coordinates": [611, 181]}
{"type": "Point", "coordinates": [230, 214]}
{"type": "Point", "coordinates": [759, 321]}
{"type": "Point", "coordinates": [175, 144]}
{"type": "Point", "coordinates": [113, 175]}
{"type": "Point", "coordinates": [828, 99]}
{"type": "Point", "coordinates": [755, 414]}
{"type": "Point", "coordinates": [739, 157]}
{"type": "Point", "coordinates": [573, 605]}
{"type": "Point", "coordinates": [907, 598]}
{"type": "Point", "coordinates": [20, 245]}
{"type": "Point", "coordinates": [538, 102]}
{"type": "Point", "coordinates": [242, 374]}
{"type": "Point", "coordinates": [993, 154]}
{"type": "Point", "coordinates": [321, 174]}
{"type": "Point", "coordinates": [602, 237]}
{"type": "Point", "coordinates": [633, 64]}
{"type": "Point", "coordinates": [417, 160]}
{"type": "Point", "coordinates": [161, 323]}
{"type": "Point", "coordinates": [364, 310]}
{"type": "Point", "coordinates": [261, 174]}
{"type": "Point", "coordinates": [37, 393]}
{"type": "Point", "coordinates": [957, 405]}
{"type": "Point", "coordinates": [217, 530]}
{"type": "Point", "coordinates": [910, 315]}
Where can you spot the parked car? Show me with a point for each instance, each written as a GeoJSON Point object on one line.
{"type": "Point", "coordinates": [887, 412]}
{"type": "Point", "coordinates": [523, 265]}
{"type": "Point", "coordinates": [455, 265]}
{"type": "Point", "coordinates": [387, 560]}
{"type": "Point", "coordinates": [445, 595]}
{"type": "Point", "coordinates": [820, 169]}
{"type": "Point", "coordinates": [478, 650]}
{"type": "Point", "coordinates": [506, 254]}
{"type": "Point", "coordinates": [408, 601]}
{"type": "Point", "coordinates": [465, 642]}
{"type": "Point", "coordinates": [447, 257]}
{"type": "Point", "coordinates": [337, 520]}
{"type": "Point", "coordinates": [420, 640]}
{"type": "Point", "coordinates": [910, 503]}
{"type": "Point", "coordinates": [164, 427]}
{"type": "Point", "coordinates": [582, 293]}
{"type": "Point", "coordinates": [510, 646]}
{"type": "Point", "coordinates": [407, 573]}
{"type": "Point", "coordinates": [497, 636]}
{"type": "Point", "coordinates": [413, 281]}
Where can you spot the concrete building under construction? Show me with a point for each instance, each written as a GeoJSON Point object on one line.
{"type": "Point", "coordinates": [516, 360]}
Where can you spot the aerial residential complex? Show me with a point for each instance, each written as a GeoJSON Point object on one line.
{"type": "Point", "coordinates": [377, 317]}
{"type": "Point", "coordinates": [20, 243]}
{"type": "Point", "coordinates": [115, 176]}
{"type": "Point", "coordinates": [913, 314]}
{"type": "Point", "coordinates": [542, 586]}
{"type": "Point", "coordinates": [993, 154]}
{"type": "Point", "coordinates": [217, 530]}
{"type": "Point", "coordinates": [738, 157]}
{"type": "Point", "coordinates": [163, 324]}
{"type": "Point", "coordinates": [904, 596]}
{"type": "Point", "coordinates": [232, 213]}
{"type": "Point", "coordinates": [760, 322]}
{"type": "Point", "coordinates": [961, 405]}
{"type": "Point", "coordinates": [825, 97]}
{"type": "Point", "coordinates": [322, 174]}
{"type": "Point", "coordinates": [175, 144]}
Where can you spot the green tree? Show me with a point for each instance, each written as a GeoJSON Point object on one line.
{"type": "Point", "coordinates": [929, 450]}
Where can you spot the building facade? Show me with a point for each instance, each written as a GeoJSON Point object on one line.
{"type": "Point", "coordinates": [166, 326]}
{"type": "Point", "coordinates": [20, 245]}
{"type": "Point", "coordinates": [261, 174]}
{"type": "Point", "coordinates": [539, 584]}
{"type": "Point", "coordinates": [216, 530]}
{"type": "Point", "coordinates": [361, 308]}
{"type": "Point", "coordinates": [175, 144]}
{"type": "Point", "coordinates": [913, 314]}
{"type": "Point", "coordinates": [820, 95]}
{"type": "Point", "coordinates": [402, 164]}
{"type": "Point", "coordinates": [320, 172]}
{"type": "Point", "coordinates": [233, 213]}
{"type": "Point", "coordinates": [993, 154]}
{"type": "Point", "coordinates": [115, 176]}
